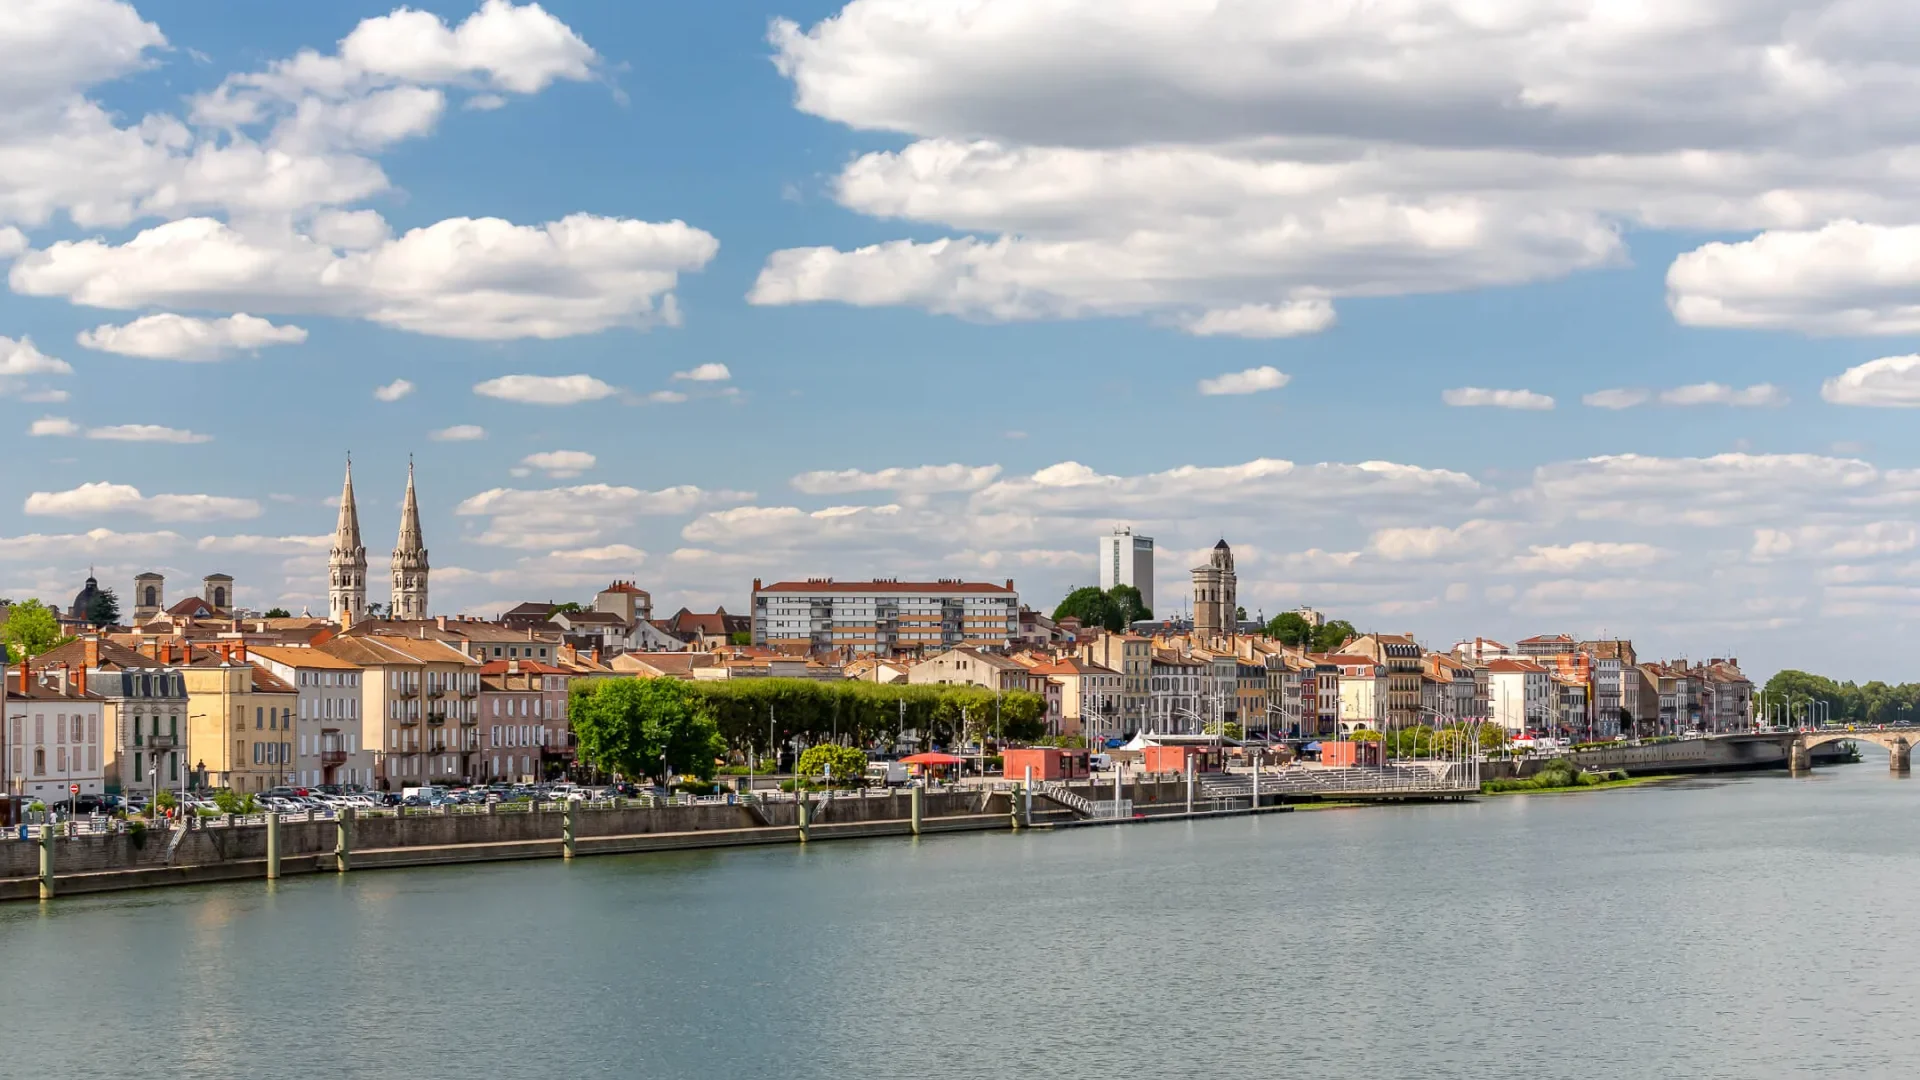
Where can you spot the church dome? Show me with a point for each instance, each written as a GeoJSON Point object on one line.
{"type": "Point", "coordinates": [83, 600]}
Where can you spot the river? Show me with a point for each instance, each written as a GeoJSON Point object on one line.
{"type": "Point", "coordinates": [1747, 926]}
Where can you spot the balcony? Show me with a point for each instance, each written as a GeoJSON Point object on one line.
{"type": "Point", "coordinates": [331, 758]}
{"type": "Point", "coordinates": [469, 692]}
{"type": "Point", "coordinates": [436, 719]}
{"type": "Point", "coordinates": [469, 719]}
{"type": "Point", "coordinates": [155, 742]}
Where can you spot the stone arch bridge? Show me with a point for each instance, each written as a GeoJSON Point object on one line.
{"type": "Point", "coordinates": [1898, 740]}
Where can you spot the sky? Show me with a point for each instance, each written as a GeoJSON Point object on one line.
{"type": "Point", "coordinates": [1452, 317]}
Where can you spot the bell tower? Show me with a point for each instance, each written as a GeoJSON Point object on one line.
{"type": "Point", "coordinates": [410, 561]}
{"type": "Point", "coordinates": [347, 562]}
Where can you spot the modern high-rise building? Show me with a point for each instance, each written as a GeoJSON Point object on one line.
{"type": "Point", "coordinates": [1126, 559]}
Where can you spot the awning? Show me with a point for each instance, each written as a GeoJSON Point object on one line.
{"type": "Point", "coordinates": [932, 759]}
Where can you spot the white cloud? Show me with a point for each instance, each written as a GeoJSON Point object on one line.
{"type": "Point", "coordinates": [1250, 381]}
{"type": "Point", "coordinates": [1073, 488]}
{"type": "Point", "coordinates": [1587, 555]}
{"type": "Point", "coordinates": [53, 425]}
{"type": "Point", "coordinates": [580, 515]}
{"type": "Point", "coordinates": [1725, 489]}
{"type": "Point", "coordinates": [100, 497]}
{"type": "Point", "coordinates": [560, 464]}
{"type": "Point", "coordinates": [1623, 398]}
{"type": "Point", "coordinates": [146, 433]}
{"type": "Point", "coordinates": [1471, 396]}
{"type": "Point", "coordinates": [1889, 382]}
{"type": "Point", "coordinates": [19, 358]}
{"type": "Point", "coordinates": [1847, 277]}
{"type": "Point", "coordinates": [94, 542]}
{"type": "Point", "coordinates": [1710, 393]}
{"type": "Point", "coordinates": [459, 433]}
{"type": "Point", "coordinates": [393, 391]}
{"type": "Point", "coordinates": [705, 373]}
{"type": "Point", "coordinates": [924, 479]}
{"type": "Point", "coordinates": [1437, 542]}
{"type": "Point", "coordinates": [43, 396]}
{"type": "Point", "coordinates": [1291, 319]}
{"type": "Point", "coordinates": [546, 389]}
{"type": "Point", "coordinates": [58, 425]}
{"type": "Point", "coordinates": [178, 337]}
{"type": "Point", "coordinates": [478, 278]}
{"type": "Point", "coordinates": [615, 553]}
{"type": "Point", "coordinates": [266, 545]}
{"type": "Point", "coordinates": [667, 397]}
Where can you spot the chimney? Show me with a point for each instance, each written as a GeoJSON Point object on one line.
{"type": "Point", "coordinates": [80, 681]}
{"type": "Point", "coordinates": [595, 654]}
{"type": "Point", "coordinates": [186, 651]}
{"type": "Point", "coordinates": [24, 677]}
{"type": "Point", "coordinates": [513, 667]}
{"type": "Point", "coordinates": [441, 622]}
{"type": "Point", "coordinates": [91, 651]}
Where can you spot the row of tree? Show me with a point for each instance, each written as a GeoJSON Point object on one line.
{"type": "Point", "coordinates": [657, 727]}
{"type": "Point", "coordinates": [1844, 702]}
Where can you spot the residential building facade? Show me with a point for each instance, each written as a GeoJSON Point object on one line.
{"type": "Point", "coordinates": [329, 743]}
{"type": "Point", "coordinates": [884, 617]}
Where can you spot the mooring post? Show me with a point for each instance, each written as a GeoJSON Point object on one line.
{"type": "Point", "coordinates": [1189, 783]}
{"type": "Point", "coordinates": [273, 845]}
{"type": "Point", "coordinates": [46, 861]}
{"type": "Point", "coordinates": [918, 802]}
{"type": "Point", "coordinates": [568, 821]}
{"type": "Point", "coordinates": [1026, 800]}
{"type": "Point", "coordinates": [1256, 781]}
{"type": "Point", "coordinates": [343, 839]}
{"type": "Point", "coordinates": [806, 814]}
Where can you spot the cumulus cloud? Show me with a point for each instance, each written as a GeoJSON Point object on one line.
{"type": "Point", "coordinates": [605, 553]}
{"type": "Point", "coordinates": [1474, 396]}
{"type": "Point", "coordinates": [923, 479]}
{"type": "Point", "coordinates": [1623, 398]}
{"type": "Point", "coordinates": [146, 433]}
{"type": "Point", "coordinates": [1889, 382]}
{"type": "Point", "coordinates": [1847, 277]}
{"type": "Point", "coordinates": [53, 425]}
{"type": "Point", "coordinates": [1098, 158]}
{"type": "Point", "coordinates": [1711, 393]}
{"type": "Point", "coordinates": [100, 543]}
{"type": "Point", "coordinates": [1250, 381]}
{"type": "Point", "coordinates": [102, 498]}
{"type": "Point", "coordinates": [459, 433]}
{"type": "Point", "coordinates": [559, 464]}
{"type": "Point", "coordinates": [1587, 555]}
{"type": "Point", "coordinates": [580, 515]}
{"type": "Point", "coordinates": [179, 337]}
{"type": "Point", "coordinates": [705, 373]}
{"type": "Point", "coordinates": [666, 397]}
{"type": "Point", "coordinates": [266, 545]}
{"type": "Point", "coordinates": [1265, 320]}
{"type": "Point", "coordinates": [546, 389]}
{"type": "Point", "coordinates": [393, 391]}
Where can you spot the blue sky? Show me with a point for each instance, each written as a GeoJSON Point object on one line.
{"type": "Point", "coordinates": [1029, 260]}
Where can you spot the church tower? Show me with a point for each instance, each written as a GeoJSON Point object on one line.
{"type": "Point", "coordinates": [410, 562]}
{"type": "Point", "coordinates": [1216, 603]}
{"type": "Point", "coordinates": [347, 562]}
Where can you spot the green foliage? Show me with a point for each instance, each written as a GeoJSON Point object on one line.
{"type": "Point", "coordinates": [1558, 774]}
{"type": "Point", "coordinates": [864, 713]}
{"type": "Point", "coordinates": [31, 628]}
{"type": "Point", "coordinates": [1366, 735]}
{"type": "Point", "coordinates": [165, 800]}
{"type": "Point", "coordinates": [645, 727]}
{"type": "Point", "coordinates": [567, 608]}
{"type": "Point", "coordinates": [230, 803]}
{"type": "Point", "coordinates": [1875, 702]}
{"type": "Point", "coordinates": [842, 763]}
{"type": "Point", "coordinates": [277, 613]}
{"type": "Point", "coordinates": [104, 608]}
{"type": "Point", "coordinates": [1112, 609]}
{"type": "Point", "coordinates": [1292, 629]}
{"type": "Point", "coordinates": [1233, 729]}
{"type": "Point", "coordinates": [740, 637]}
{"type": "Point", "coordinates": [37, 807]}
{"type": "Point", "coordinates": [1334, 634]}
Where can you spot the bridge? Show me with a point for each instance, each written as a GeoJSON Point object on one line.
{"type": "Point", "coordinates": [1897, 739]}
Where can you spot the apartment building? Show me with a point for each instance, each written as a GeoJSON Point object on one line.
{"type": "Point", "coordinates": [1132, 656]}
{"type": "Point", "coordinates": [1458, 686]}
{"type": "Point", "coordinates": [1126, 559]}
{"type": "Point", "coordinates": [1177, 687]}
{"type": "Point", "coordinates": [884, 617]}
{"type": "Point", "coordinates": [329, 745]}
{"type": "Point", "coordinates": [1364, 687]}
{"type": "Point", "coordinates": [239, 719]}
{"type": "Point", "coordinates": [143, 710]}
{"type": "Point", "coordinates": [1405, 662]}
{"type": "Point", "coordinates": [1089, 697]}
{"type": "Point", "coordinates": [1520, 695]}
{"type": "Point", "coordinates": [419, 705]}
{"type": "Point", "coordinates": [523, 722]}
{"type": "Point", "coordinates": [51, 741]}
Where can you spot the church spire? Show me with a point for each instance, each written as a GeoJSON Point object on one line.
{"type": "Point", "coordinates": [347, 561]}
{"type": "Point", "coordinates": [410, 560]}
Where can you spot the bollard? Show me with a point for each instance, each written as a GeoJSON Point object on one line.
{"type": "Point", "coordinates": [46, 861]}
{"type": "Point", "coordinates": [273, 845]}
{"type": "Point", "coordinates": [919, 806]}
{"type": "Point", "coordinates": [567, 823]}
{"type": "Point", "coordinates": [343, 839]}
{"type": "Point", "coordinates": [805, 811]}
{"type": "Point", "coordinates": [1026, 800]}
{"type": "Point", "coordinates": [1256, 783]}
{"type": "Point", "coordinates": [1189, 785]}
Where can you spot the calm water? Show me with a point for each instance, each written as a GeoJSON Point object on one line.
{"type": "Point", "coordinates": [1745, 927]}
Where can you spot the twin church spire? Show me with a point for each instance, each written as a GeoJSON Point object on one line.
{"type": "Point", "coordinates": [347, 561]}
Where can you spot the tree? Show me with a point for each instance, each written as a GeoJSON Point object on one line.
{"type": "Point", "coordinates": [104, 608]}
{"type": "Point", "coordinates": [31, 628]}
{"type": "Point", "coordinates": [376, 611]}
{"type": "Point", "coordinates": [645, 727]}
{"type": "Point", "coordinates": [278, 613]}
{"type": "Point", "coordinates": [566, 608]}
{"type": "Point", "coordinates": [841, 763]}
{"type": "Point", "coordinates": [1332, 635]}
{"type": "Point", "coordinates": [1113, 609]}
{"type": "Point", "coordinates": [1290, 628]}
{"type": "Point", "coordinates": [740, 637]}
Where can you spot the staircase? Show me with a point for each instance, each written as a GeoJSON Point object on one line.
{"type": "Point", "coordinates": [1061, 795]}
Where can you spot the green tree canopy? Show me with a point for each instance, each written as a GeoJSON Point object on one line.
{"type": "Point", "coordinates": [277, 613]}
{"type": "Point", "coordinates": [31, 628]}
{"type": "Point", "coordinates": [1332, 635]}
{"type": "Point", "coordinates": [568, 607]}
{"type": "Point", "coordinates": [104, 608]}
{"type": "Point", "coordinates": [1291, 628]}
{"type": "Point", "coordinates": [856, 713]}
{"type": "Point", "coordinates": [1114, 609]}
{"type": "Point", "coordinates": [644, 727]}
{"type": "Point", "coordinates": [842, 763]}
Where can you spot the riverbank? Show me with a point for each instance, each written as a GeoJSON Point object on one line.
{"type": "Point", "coordinates": [1575, 789]}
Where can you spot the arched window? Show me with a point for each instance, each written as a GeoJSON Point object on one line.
{"type": "Point", "coordinates": [219, 597]}
{"type": "Point", "coordinates": [153, 597]}
{"type": "Point", "coordinates": [39, 761]}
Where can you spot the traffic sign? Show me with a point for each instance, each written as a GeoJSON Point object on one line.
{"type": "Point", "coordinates": [73, 789]}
